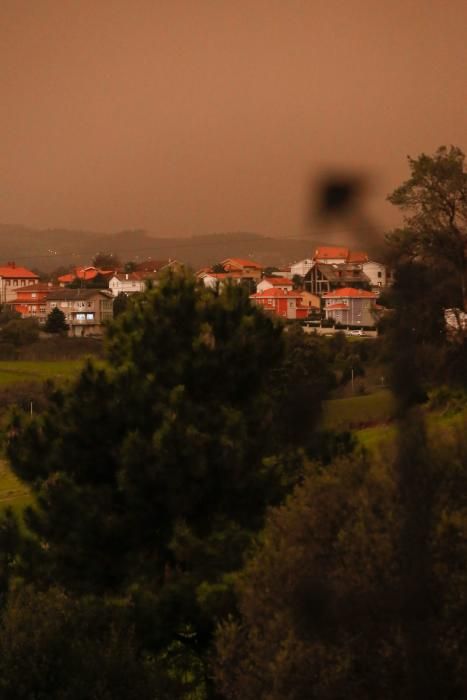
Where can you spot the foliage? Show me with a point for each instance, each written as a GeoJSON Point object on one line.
{"type": "Point", "coordinates": [55, 647]}
{"type": "Point", "coordinates": [55, 322]}
{"type": "Point", "coordinates": [98, 282]}
{"type": "Point", "coordinates": [434, 201]}
{"type": "Point", "coordinates": [297, 281]}
{"type": "Point", "coordinates": [106, 261]}
{"type": "Point", "coordinates": [218, 268]}
{"type": "Point", "coordinates": [150, 472]}
{"type": "Point", "coordinates": [120, 304]}
{"type": "Point", "coordinates": [20, 332]}
{"type": "Point", "coordinates": [356, 589]}
{"type": "Point", "coordinates": [7, 314]}
{"type": "Point", "coordinates": [300, 384]}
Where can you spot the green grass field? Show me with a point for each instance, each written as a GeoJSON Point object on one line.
{"type": "Point", "coordinates": [357, 412]}
{"type": "Point", "coordinates": [18, 370]}
{"type": "Point", "coordinates": [12, 492]}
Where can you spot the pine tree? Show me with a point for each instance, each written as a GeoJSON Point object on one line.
{"type": "Point", "coordinates": [55, 322]}
{"type": "Point", "coordinates": [150, 472]}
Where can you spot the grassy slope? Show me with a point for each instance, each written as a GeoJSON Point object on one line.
{"type": "Point", "coordinates": [359, 411]}
{"type": "Point", "coordinates": [12, 492]}
{"type": "Point", "coordinates": [17, 370]}
{"type": "Point", "coordinates": [370, 417]}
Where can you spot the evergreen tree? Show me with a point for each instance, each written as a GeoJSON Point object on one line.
{"type": "Point", "coordinates": [150, 473]}
{"type": "Point", "coordinates": [55, 322]}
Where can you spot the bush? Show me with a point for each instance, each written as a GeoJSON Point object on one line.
{"type": "Point", "coordinates": [20, 332]}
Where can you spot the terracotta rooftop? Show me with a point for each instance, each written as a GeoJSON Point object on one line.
{"type": "Point", "coordinates": [276, 293]}
{"type": "Point", "coordinates": [349, 292]}
{"type": "Point", "coordinates": [278, 281]}
{"type": "Point", "coordinates": [11, 270]}
{"type": "Point", "coordinates": [242, 262]}
{"type": "Point", "coordinates": [76, 294]}
{"type": "Point", "coordinates": [326, 252]}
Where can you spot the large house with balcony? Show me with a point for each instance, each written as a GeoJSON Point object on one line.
{"type": "Point", "coordinates": [31, 301]}
{"type": "Point", "coordinates": [86, 310]}
{"type": "Point", "coordinates": [281, 302]}
{"type": "Point", "coordinates": [12, 278]}
{"type": "Point", "coordinates": [323, 278]}
{"type": "Point", "coordinates": [351, 307]}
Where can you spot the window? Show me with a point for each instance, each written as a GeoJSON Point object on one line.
{"type": "Point", "coordinates": [90, 317]}
{"type": "Point", "coordinates": [33, 295]}
{"type": "Point", "coordinates": [380, 274]}
{"type": "Point", "coordinates": [80, 317]}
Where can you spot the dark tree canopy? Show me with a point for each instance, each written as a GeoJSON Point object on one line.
{"type": "Point", "coordinates": [106, 261]}
{"type": "Point", "coordinates": [150, 473]}
{"type": "Point", "coordinates": [357, 588]}
{"type": "Point", "coordinates": [56, 322]}
{"type": "Point", "coordinates": [434, 203]}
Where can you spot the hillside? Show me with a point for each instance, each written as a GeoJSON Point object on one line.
{"type": "Point", "coordinates": [47, 249]}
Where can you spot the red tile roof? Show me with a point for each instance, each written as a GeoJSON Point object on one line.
{"type": "Point", "coordinates": [83, 273]}
{"type": "Point", "coordinates": [129, 276]}
{"type": "Point", "coordinates": [282, 293]}
{"type": "Point", "coordinates": [235, 274]}
{"type": "Point", "coordinates": [278, 281]}
{"type": "Point", "coordinates": [325, 252]}
{"type": "Point", "coordinates": [335, 307]}
{"type": "Point", "coordinates": [37, 287]}
{"type": "Point", "coordinates": [241, 262]}
{"type": "Point", "coordinates": [357, 256]}
{"type": "Point", "coordinates": [349, 292]}
{"type": "Point", "coordinates": [151, 265]}
{"type": "Point", "coordinates": [12, 271]}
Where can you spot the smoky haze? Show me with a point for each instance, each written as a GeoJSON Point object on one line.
{"type": "Point", "coordinates": [185, 117]}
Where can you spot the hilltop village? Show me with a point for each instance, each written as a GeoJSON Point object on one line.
{"type": "Point", "coordinates": [335, 287]}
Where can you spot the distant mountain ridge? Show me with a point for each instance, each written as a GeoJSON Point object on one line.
{"type": "Point", "coordinates": [48, 249]}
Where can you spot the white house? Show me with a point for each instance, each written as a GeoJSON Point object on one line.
{"type": "Point", "coordinates": [350, 307]}
{"type": "Point", "coordinates": [275, 283]}
{"type": "Point", "coordinates": [376, 273]}
{"type": "Point", "coordinates": [301, 267]}
{"type": "Point", "coordinates": [331, 255]}
{"type": "Point", "coordinates": [13, 278]}
{"type": "Point", "coordinates": [126, 282]}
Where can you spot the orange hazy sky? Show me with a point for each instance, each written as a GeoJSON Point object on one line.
{"type": "Point", "coordinates": [188, 117]}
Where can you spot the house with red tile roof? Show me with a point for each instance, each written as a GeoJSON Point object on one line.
{"type": "Point", "coordinates": [331, 255]}
{"type": "Point", "coordinates": [248, 268]}
{"type": "Point", "coordinates": [85, 310]}
{"type": "Point", "coordinates": [31, 300]}
{"type": "Point", "coordinates": [280, 302]}
{"type": "Point", "coordinates": [12, 278]}
{"type": "Point", "coordinates": [350, 307]}
{"type": "Point", "coordinates": [85, 274]}
{"type": "Point", "coordinates": [275, 283]}
{"type": "Point", "coordinates": [128, 282]}
{"type": "Point", "coordinates": [214, 280]}
{"type": "Point", "coordinates": [339, 255]}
